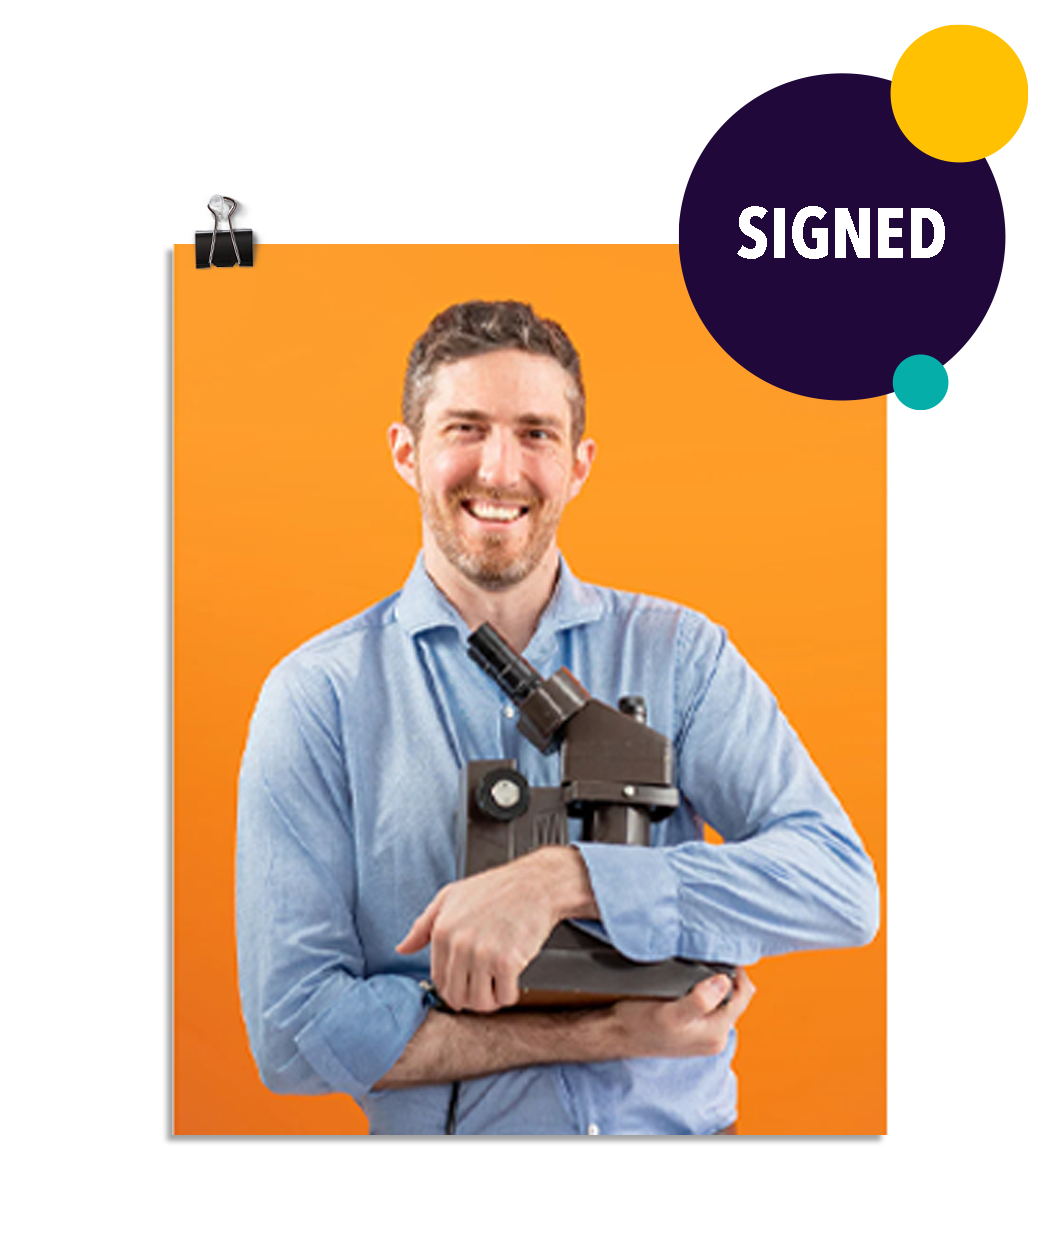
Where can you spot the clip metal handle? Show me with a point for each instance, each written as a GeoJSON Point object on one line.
{"type": "Point", "coordinates": [222, 209]}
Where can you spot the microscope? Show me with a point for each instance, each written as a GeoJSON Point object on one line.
{"type": "Point", "coordinates": [616, 780]}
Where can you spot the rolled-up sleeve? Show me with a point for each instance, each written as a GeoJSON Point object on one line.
{"type": "Point", "coordinates": [792, 874]}
{"type": "Point", "coordinates": [316, 1023]}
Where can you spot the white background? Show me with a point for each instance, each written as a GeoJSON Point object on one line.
{"type": "Point", "coordinates": [487, 122]}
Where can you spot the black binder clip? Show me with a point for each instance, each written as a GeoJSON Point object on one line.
{"type": "Point", "coordinates": [235, 249]}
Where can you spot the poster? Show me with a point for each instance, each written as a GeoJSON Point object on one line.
{"type": "Point", "coordinates": [712, 489]}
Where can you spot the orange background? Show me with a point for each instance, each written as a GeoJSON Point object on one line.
{"type": "Point", "coordinates": [762, 509]}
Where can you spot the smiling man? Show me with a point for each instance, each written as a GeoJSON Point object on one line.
{"type": "Point", "coordinates": [348, 892]}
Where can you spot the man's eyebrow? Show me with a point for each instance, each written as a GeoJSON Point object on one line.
{"type": "Point", "coordinates": [541, 422]}
{"type": "Point", "coordinates": [464, 413]}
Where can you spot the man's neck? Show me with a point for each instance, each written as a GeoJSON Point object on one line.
{"type": "Point", "coordinates": [513, 612]}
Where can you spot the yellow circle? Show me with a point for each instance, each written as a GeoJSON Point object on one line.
{"type": "Point", "coordinates": [959, 93]}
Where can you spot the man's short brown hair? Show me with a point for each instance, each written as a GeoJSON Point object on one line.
{"type": "Point", "coordinates": [473, 328]}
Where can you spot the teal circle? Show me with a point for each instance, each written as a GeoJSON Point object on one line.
{"type": "Point", "coordinates": [920, 382]}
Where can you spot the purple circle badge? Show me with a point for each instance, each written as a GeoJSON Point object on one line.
{"type": "Point", "coordinates": [821, 249]}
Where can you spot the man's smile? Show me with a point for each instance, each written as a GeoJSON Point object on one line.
{"type": "Point", "coordinates": [493, 513]}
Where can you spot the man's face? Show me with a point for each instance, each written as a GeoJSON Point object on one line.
{"type": "Point", "coordinates": [494, 466]}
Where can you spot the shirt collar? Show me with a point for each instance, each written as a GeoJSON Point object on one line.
{"type": "Point", "coordinates": [421, 606]}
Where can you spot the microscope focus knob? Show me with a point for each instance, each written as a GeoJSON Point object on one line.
{"type": "Point", "coordinates": [503, 794]}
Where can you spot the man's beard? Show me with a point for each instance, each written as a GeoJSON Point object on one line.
{"type": "Point", "coordinates": [491, 563]}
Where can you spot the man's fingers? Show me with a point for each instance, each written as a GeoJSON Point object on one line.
{"type": "Point", "coordinates": [480, 995]}
{"type": "Point", "coordinates": [742, 993]}
{"type": "Point", "coordinates": [707, 996]}
{"type": "Point", "coordinates": [419, 935]}
{"type": "Point", "coordinates": [482, 931]}
{"type": "Point", "coordinates": [506, 987]}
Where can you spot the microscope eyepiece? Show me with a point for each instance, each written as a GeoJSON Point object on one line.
{"type": "Point", "coordinates": [545, 706]}
{"type": "Point", "coordinates": [515, 676]}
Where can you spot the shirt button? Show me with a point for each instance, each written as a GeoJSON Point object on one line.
{"type": "Point", "coordinates": [509, 712]}
{"type": "Point", "coordinates": [593, 1130]}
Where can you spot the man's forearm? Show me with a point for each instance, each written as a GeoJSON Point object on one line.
{"type": "Point", "coordinates": [456, 1047]}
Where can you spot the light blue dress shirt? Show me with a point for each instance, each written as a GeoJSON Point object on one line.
{"type": "Point", "coordinates": [347, 807]}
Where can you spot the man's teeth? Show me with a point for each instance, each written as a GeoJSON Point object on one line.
{"type": "Point", "coordinates": [494, 512]}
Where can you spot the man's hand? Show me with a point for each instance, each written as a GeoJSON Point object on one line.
{"type": "Point", "coordinates": [484, 931]}
{"type": "Point", "coordinates": [696, 1024]}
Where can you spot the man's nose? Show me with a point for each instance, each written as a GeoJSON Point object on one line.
{"type": "Point", "coordinates": [501, 456]}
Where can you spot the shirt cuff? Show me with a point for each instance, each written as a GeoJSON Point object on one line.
{"type": "Point", "coordinates": [636, 892]}
{"type": "Point", "coordinates": [361, 1033]}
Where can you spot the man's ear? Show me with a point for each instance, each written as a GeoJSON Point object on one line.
{"type": "Point", "coordinates": [403, 452]}
{"type": "Point", "coordinates": [583, 462]}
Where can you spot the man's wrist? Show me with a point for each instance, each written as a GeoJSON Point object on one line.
{"type": "Point", "coordinates": [566, 880]}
